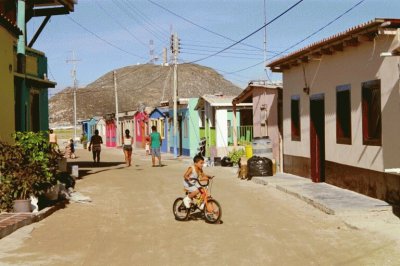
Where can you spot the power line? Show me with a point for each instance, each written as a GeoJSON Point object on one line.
{"type": "Point", "coordinates": [251, 34]}
{"type": "Point", "coordinates": [199, 26]}
{"type": "Point", "coordinates": [320, 29]}
{"type": "Point", "coordinates": [120, 24]}
{"type": "Point", "coordinates": [104, 40]}
{"type": "Point", "coordinates": [303, 40]}
{"type": "Point", "coordinates": [128, 11]}
{"type": "Point", "coordinates": [226, 56]}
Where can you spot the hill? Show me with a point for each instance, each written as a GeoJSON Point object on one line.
{"type": "Point", "coordinates": [137, 85]}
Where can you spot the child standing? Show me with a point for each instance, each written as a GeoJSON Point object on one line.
{"type": "Point", "coordinates": [147, 146]}
{"type": "Point", "coordinates": [72, 149]}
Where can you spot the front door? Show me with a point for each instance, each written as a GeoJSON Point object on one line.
{"type": "Point", "coordinates": [317, 138]}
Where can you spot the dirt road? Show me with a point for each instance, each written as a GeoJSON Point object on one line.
{"type": "Point", "coordinates": [130, 222]}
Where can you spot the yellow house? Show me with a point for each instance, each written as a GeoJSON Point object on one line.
{"type": "Point", "coordinates": [8, 37]}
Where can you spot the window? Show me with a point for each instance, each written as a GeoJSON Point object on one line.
{"type": "Point", "coordinates": [371, 113]}
{"type": "Point", "coordinates": [162, 128]}
{"type": "Point", "coordinates": [295, 117]}
{"type": "Point", "coordinates": [343, 114]}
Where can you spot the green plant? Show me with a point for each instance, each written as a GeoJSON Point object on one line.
{"type": "Point", "coordinates": [27, 167]}
{"type": "Point", "coordinates": [235, 155]}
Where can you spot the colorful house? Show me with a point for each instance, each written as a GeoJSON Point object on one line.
{"type": "Point", "coordinates": [188, 135]}
{"type": "Point", "coordinates": [141, 119]}
{"type": "Point", "coordinates": [29, 65]}
{"type": "Point", "coordinates": [217, 121]}
{"type": "Point", "coordinates": [159, 118]}
{"type": "Point", "coordinates": [126, 121]}
{"type": "Point", "coordinates": [111, 130]}
{"type": "Point", "coordinates": [340, 110]}
{"type": "Point", "coordinates": [265, 115]}
{"type": "Point", "coordinates": [101, 127]}
{"type": "Point", "coordinates": [8, 36]}
{"type": "Point", "coordinates": [89, 126]}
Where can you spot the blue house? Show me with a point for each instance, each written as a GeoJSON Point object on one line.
{"type": "Point", "coordinates": [89, 126]}
{"type": "Point", "coordinates": [188, 132]}
{"type": "Point", "coordinates": [159, 118]}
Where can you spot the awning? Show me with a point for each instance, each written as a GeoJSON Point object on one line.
{"type": "Point", "coordinates": [36, 82]}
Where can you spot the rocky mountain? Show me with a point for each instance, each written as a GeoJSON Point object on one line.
{"type": "Point", "coordinates": [137, 86]}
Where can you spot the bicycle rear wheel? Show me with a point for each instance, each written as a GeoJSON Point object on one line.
{"type": "Point", "coordinates": [214, 215]}
{"type": "Point", "coordinates": [181, 213]}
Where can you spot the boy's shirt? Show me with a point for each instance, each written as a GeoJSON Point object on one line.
{"type": "Point", "coordinates": [155, 140]}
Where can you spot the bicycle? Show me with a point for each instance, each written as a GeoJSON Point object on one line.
{"type": "Point", "coordinates": [212, 212]}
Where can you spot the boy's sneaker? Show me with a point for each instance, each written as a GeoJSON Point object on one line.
{"type": "Point", "coordinates": [187, 201]}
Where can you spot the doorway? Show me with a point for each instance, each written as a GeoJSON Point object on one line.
{"type": "Point", "coordinates": [317, 137]}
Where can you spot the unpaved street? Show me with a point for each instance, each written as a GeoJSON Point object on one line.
{"type": "Point", "coordinates": [130, 222]}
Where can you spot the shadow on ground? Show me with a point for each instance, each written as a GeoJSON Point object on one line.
{"type": "Point", "coordinates": [396, 210]}
{"type": "Point", "coordinates": [88, 167]}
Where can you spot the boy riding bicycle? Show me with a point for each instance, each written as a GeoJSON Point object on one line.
{"type": "Point", "coordinates": [192, 174]}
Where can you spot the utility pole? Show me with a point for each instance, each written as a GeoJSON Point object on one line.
{"type": "Point", "coordinates": [116, 104]}
{"type": "Point", "coordinates": [73, 61]}
{"type": "Point", "coordinates": [175, 51]}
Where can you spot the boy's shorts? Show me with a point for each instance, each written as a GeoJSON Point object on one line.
{"type": "Point", "coordinates": [156, 152]}
{"type": "Point", "coordinates": [190, 187]}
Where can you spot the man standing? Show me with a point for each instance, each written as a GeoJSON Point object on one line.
{"type": "Point", "coordinates": [155, 144]}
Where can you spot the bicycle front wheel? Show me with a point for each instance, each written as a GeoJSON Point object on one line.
{"type": "Point", "coordinates": [213, 211]}
{"type": "Point", "coordinates": [181, 213]}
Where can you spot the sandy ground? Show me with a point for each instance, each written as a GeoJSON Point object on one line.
{"type": "Point", "coordinates": [130, 222]}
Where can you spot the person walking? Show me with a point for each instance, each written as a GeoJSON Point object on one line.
{"type": "Point", "coordinates": [96, 142]}
{"type": "Point", "coordinates": [127, 147]}
{"type": "Point", "coordinates": [53, 140]}
{"type": "Point", "coordinates": [155, 145]}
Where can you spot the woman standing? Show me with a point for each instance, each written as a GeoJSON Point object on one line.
{"type": "Point", "coordinates": [127, 140]}
{"type": "Point", "coordinates": [96, 142]}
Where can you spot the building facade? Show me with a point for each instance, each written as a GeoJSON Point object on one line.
{"type": "Point", "coordinates": [341, 103]}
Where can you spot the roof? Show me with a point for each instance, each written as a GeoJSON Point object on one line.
{"type": "Point", "coordinates": [9, 25]}
{"type": "Point", "coordinates": [216, 101]}
{"type": "Point", "coordinates": [337, 42]}
{"type": "Point", "coordinates": [248, 92]}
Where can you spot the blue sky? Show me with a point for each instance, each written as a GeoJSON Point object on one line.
{"type": "Point", "coordinates": [130, 25]}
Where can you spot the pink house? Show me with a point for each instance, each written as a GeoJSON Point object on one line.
{"type": "Point", "coordinates": [141, 128]}
{"type": "Point", "coordinates": [111, 128]}
{"type": "Point", "coordinates": [267, 113]}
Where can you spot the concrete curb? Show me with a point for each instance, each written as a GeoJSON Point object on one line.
{"type": "Point", "coordinates": [18, 220]}
{"type": "Point", "coordinates": [263, 181]}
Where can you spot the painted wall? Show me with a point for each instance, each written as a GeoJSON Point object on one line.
{"type": "Point", "coordinates": [7, 119]}
{"type": "Point", "coordinates": [352, 66]}
{"type": "Point", "coordinates": [101, 127]}
{"type": "Point", "coordinates": [269, 98]}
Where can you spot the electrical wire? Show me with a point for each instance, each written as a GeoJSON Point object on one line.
{"type": "Point", "coordinates": [251, 34]}
{"type": "Point", "coordinates": [103, 40]}
{"type": "Point", "coordinates": [120, 24]}
{"type": "Point", "coordinates": [199, 26]}
{"type": "Point", "coordinates": [128, 11]}
{"type": "Point", "coordinates": [301, 41]}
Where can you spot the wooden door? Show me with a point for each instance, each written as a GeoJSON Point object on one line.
{"type": "Point", "coordinates": [317, 138]}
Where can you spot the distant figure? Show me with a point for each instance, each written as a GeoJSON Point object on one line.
{"type": "Point", "coordinates": [96, 142]}
{"type": "Point", "coordinates": [127, 147]}
{"type": "Point", "coordinates": [147, 147]}
{"type": "Point", "coordinates": [72, 149]}
{"type": "Point", "coordinates": [155, 144]}
{"type": "Point", "coordinates": [53, 139]}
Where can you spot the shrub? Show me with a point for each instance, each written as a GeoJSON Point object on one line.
{"type": "Point", "coordinates": [235, 155]}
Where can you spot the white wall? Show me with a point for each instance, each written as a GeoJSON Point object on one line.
{"type": "Point", "coordinates": [221, 128]}
{"type": "Point", "coordinates": [352, 66]}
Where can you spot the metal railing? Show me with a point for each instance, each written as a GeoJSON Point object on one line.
{"type": "Point", "coordinates": [244, 135]}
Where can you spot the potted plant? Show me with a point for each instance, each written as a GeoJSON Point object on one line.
{"type": "Point", "coordinates": [235, 156]}
{"type": "Point", "coordinates": [27, 168]}
{"type": "Point", "coordinates": [17, 178]}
